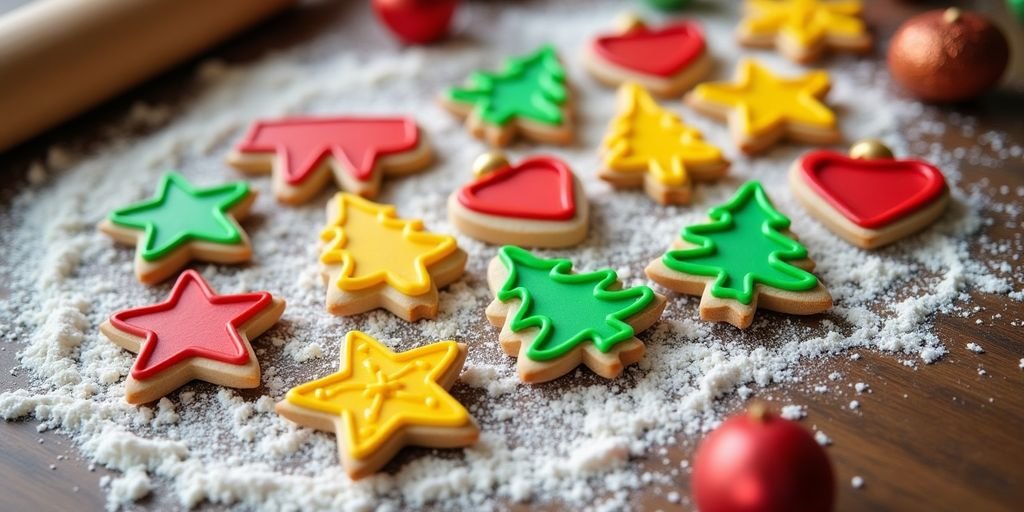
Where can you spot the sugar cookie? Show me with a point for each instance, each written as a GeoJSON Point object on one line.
{"type": "Point", "coordinates": [373, 259]}
{"type": "Point", "coordinates": [761, 108]}
{"type": "Point", "coordinates": [537, 202]}
{"type": "Point", "coordinates": [553, 319]}
{"type": "Point", "coordinates": [530, 95]}
{"type": "Point", "coordinates": [870, 202]}
{"type": "Point", "coordinates": [194, 335]}
{"type": "Point", "coordinates": [302, 153]}
{"type": "Point", "coordinates": [744, 258]}
{"type": "Point", "coordinates": [181, 223]}
{"type": "Point", "coordinates": [381, 401]}
{"type": "Point", "coordinates": [803, 29]}
{"type": "Point", "coordinates": [667, 60]}
{"type": "Point", "coordinates": [649, 146]}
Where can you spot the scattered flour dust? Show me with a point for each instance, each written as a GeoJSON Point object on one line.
{"type": "Point", "coordinates": [576, 442]}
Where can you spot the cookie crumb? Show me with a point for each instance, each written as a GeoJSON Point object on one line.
{"type": "Point", "coordinates": [36, 173]}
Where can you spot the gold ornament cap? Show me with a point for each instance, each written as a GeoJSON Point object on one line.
{"type": "Point", "coordinates": [628, 22]}
{"type": "Point", "coordinates": [870, 149]}
{"type": "Point", "coordinates": [758, 412]}
{"type": "Point", "coordinates": [489, 162]}
{"type": "Point", "coordinates": [951, 15]}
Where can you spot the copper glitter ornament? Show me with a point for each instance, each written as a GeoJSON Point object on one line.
{"type": "Point", "coordinates": [948, 55]}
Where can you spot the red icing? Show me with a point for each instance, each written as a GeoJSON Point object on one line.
{"type": "Point", "coordinates": [192, 322]}
{"type": "Point", "coordinates": [663, 52]}
{"type": "Point", "coordinates": [537, 188]}
{"type": "Point", "coordinates": [301, 144]}
{"type": "Point", "coordinates": [872, 193]}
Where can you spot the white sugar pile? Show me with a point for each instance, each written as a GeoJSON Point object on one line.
{"type": "Point", "coordinates": [578, 440]}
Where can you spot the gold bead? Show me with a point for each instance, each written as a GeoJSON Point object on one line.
{"type": "Point", "coordinates": [870, 149]}
{"type": "Point", "coordinates": [488, 163]}
{"type": "Point", "coordinates": [951, 15]}
{"type": "Point", "coordinates": [628, 22]}
{"type": "Point", "coordinates": [757, 411]}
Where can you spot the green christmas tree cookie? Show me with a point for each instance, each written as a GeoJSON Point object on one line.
{"type": "Point", "coordinates": [553, 319]}
{"type": "Point", "coordinates": [743, 258]}
{"type": "Point", "coordinates": [529, 95]}
{"type": "Point", "coordinates": [181, 223]}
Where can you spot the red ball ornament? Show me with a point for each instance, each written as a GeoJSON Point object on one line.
{"type": "Point", "coordinates": [948, 55]}
{"type": "Point", "coordinates": [759, 462]}
{"type": "Point", "coordinates": [416, 21]}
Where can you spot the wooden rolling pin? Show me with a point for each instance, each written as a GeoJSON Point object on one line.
{"type": "Point", "coordinates": [60, 57]}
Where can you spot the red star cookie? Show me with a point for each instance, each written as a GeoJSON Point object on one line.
{"type": "Point", "coordinates": [303, 152]}
{"type": "Point", "coordinates": [194, 334]}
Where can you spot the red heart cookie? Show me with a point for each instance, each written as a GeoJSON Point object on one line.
{"type": "Point", "coordinates": [537, 188]}
{"type": "Point", "coordinates": [871, 192]}
{"type": "Point", "coordinates": [662, 52]}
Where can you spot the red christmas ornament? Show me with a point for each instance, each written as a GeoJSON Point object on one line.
{"type": "Point", "coordinates": [416, 21]}
{"type": "Point", "coordinates": [759, 462]}
{"type": "Point", "coordinates": [948, 55]}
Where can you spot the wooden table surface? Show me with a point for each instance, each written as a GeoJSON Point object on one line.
{"type": "Point", "coordinates": [940, 437]}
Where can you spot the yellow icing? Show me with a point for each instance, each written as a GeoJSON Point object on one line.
{"type": "Point", "coordinates": [378, 392]}
{"type": "Point", "coordinates": [374, 246]}
{"type": "Point", "coordinates": [761, 100]}
{"type": "Point", "coordinates": [646, 137]}
{"type": "Point", "coordinates": [805, 22]}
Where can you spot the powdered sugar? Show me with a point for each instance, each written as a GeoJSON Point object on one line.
{"type": "Point", "coordinates": [857, 482]}
{"type": "Point", "coordinates": [822, 439]}
{"type": "Point", "coordinates": [577, 440]}
{"type": "Point", "coordinates": [793, 412]}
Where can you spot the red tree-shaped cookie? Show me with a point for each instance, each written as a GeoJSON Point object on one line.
{"type": "Point", "coordinates": [302, 153]}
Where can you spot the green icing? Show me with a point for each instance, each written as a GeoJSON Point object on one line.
{"type": "Point", "coordinates": [1017, 7]}
{"type": "Point", "coordinates": [569, 309]}
{"type": "Point", "coordinates": [669, 5]}
{"type": "Point", "coordinates": [532, 87]}
{"type": "Point", "coordinates": [743, 245]}
{"type": "Point", "coordinates": [180, 212]}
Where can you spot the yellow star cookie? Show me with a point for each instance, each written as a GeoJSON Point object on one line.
{"type": "Point", "coordinates": [650, 146]}
{"type": "Point", "coordinates": [761, 107]}
{"type": "Point", "coordinates": [381, 401]}
{"type": "Point", "coordinates": [803, 29]}
{"type": "Point", "coordinates": [371, 258]}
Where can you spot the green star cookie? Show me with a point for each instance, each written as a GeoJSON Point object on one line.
{"type": "Point", "coordinates": [181, 222]}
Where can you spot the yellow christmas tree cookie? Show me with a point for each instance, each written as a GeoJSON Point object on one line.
{"type": "Point", "coordinates": [649, 146]}
{"type": "Point", "coordinates": [372, 259]}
